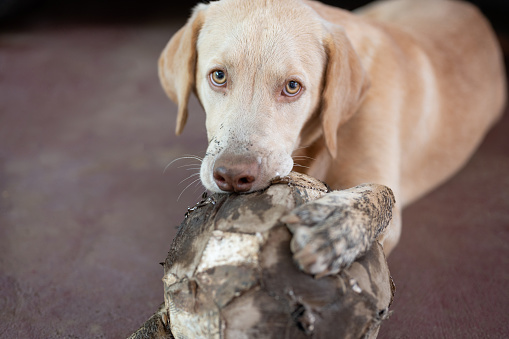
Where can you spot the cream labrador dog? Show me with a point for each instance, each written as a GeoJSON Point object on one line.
{"type": "Point", "coordinates": [399, 94]}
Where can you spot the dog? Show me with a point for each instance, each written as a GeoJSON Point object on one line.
{"type": "Point", "coordinates": [398, 93]}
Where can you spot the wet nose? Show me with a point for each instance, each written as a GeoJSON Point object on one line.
{"type": "Point", "coordinates": [236, 174]}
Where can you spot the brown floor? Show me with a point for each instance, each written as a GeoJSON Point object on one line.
{"type": "Point", "coordinates": [87, 211]}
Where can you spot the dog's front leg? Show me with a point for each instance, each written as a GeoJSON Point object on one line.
{"type": "Point", "coordinates": [332, 232]}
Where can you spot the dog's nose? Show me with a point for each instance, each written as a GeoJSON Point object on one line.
{"type": "Point", "coordinates": [236, 174]}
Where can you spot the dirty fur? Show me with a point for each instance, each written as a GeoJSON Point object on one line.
{"type": "Point", "coordinates": [331, 232]}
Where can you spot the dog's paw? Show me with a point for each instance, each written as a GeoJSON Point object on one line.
{"type": "Point", "coordinates": [324, 239]}
{"type": "Point", "coordinates": [332, 232]}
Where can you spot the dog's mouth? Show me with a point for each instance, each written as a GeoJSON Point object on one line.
{"type": "Point", "coordinates": [241, 173]}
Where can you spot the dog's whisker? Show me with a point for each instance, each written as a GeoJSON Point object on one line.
{"type": "Point", "coordinates": [200, 159]}
{"type": "Point", "coordinates": [188, 165]}
{"type": "Point", "coordinates": [195, 181]}
{"type": "Point", "coordinates": [187, 156]}
{"type": "Point", "coordinates": [299, 165]}
{"type": "Point", "coordinates": [196, 167]}
{"type": "Point", "coordinates": [189, 177]}
{"type": "Point", "coordinates": [302, 157]}
{"type": "Point", "coordinates": [198, 185]}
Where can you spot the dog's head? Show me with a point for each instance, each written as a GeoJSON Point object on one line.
{"type": "Point", "coordinates": [262, 70]}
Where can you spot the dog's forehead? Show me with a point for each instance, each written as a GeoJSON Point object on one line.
{"type": "Point", "coordinates": [264, 30]}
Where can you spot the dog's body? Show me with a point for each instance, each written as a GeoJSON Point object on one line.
{"type": "Point", "coordinates": [400, 94]}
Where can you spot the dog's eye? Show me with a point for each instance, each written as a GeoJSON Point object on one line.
{"type": "Point", "coordinates": [292, 88]}
{"type": "Point", "coordinates": [218, 78]}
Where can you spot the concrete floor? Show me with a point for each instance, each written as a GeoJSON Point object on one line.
{"type": "Point", "coordinates": [87, 211]}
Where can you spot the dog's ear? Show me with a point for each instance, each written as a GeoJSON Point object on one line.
{"type": "Point", "coordinates": [345, 84]}
{"type": "Point", "coordinates": [177, 65]}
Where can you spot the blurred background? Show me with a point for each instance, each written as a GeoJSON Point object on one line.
{"type": "Point", "coordinates": [89, 205]}
{"type": "Point", "coordinates": [17, 11]}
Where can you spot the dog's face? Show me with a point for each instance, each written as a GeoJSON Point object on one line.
{"type": "Point", "coordinates": [258, 79]}
{"type": "Point", "coordinates": [259, 71]}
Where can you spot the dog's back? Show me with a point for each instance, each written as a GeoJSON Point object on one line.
{"type": "Point", "coordinates": [463, 64]}
{"type": "Point", "coordinates": [458, 39]}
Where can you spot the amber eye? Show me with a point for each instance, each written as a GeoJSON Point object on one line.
{"type": "Point", "coordinates": [218, 78]}
{"type": "Point", "coordinates": [292, 88]}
